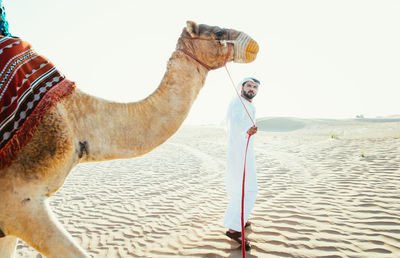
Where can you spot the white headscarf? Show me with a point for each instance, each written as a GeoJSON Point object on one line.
{"type": "Point", "coordinates": [239, 86]}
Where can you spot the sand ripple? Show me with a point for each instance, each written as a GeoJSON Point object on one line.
{"type": "Point", "coordinates": [318, 197]}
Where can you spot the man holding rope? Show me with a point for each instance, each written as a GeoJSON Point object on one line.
{"type": "Point", "coordinates": [240, 127]}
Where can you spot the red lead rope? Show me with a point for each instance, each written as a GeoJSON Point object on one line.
{"type": "Point", "coordinates": [242, 214]}
{"type": "Point", "coordinates": [244, 170]}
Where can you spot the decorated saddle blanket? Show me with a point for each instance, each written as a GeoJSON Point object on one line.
{"type": "Point", "coordinates": [29, 85]}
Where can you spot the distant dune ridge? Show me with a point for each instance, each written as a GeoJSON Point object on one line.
{"type": "Point", "coordinates": [394, 116]}
{"type": "Point", "coordinates": [280, 124]}
{"type": "Point", "coordinates": [287, 124]}
{"type": "Point", "coordinates": [319, 196]}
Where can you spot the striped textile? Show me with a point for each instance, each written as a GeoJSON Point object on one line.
{"type": "Point", "coordinates": [29, 85]}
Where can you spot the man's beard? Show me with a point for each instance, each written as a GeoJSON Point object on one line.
{"type": "Point", "coordinates": [248, 96]}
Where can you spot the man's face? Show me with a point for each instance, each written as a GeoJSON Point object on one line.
{"type": "Point", "coordinates": [249, 89]}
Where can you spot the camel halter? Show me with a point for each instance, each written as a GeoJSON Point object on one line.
{"type": "Point", "coordinates": [224, 42]}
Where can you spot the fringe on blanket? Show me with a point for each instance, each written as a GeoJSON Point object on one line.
{"type": "Point", "coordinates": [9, 152]}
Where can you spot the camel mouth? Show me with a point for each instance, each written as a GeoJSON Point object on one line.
{"type": "Point", "coordinates": [251, 51]}
{"type": "Point", "coordinates": [246, 49]}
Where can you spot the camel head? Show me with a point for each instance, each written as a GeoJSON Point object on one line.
{"type": "Point", "coordinates": [213, 46]}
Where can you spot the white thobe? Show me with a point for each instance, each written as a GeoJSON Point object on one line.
{"type": "Point", "coordinates": [238, 123]}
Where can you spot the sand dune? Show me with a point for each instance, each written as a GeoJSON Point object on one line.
{"type": "Point", "coordinates": [287, 124]}
{"type": "Point", "coordinates": [318, 196]}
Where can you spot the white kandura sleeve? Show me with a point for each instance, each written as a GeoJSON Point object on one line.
{"type": "Point", "coordinates": [239, 122]}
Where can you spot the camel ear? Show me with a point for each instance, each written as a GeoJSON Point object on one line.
{"type": "Point", "coordinates": [192, 28]}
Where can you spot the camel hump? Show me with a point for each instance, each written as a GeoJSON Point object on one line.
{"type": "Point", "coordinates": [49, 149]}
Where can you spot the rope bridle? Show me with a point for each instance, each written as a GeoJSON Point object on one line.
{"type": "Point", "coordinates": [228, 42]}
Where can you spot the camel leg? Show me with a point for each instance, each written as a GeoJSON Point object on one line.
{"type": "Point", "coordinates": [7, 246]}
{"type": "Point", "coordinates": [40, 229]}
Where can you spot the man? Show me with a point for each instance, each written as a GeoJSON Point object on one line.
{"type": "Point", "coordinates": [240, 128]}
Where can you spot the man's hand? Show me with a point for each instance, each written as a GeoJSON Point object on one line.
{"type": "Point", "coordinates": [252, 130]}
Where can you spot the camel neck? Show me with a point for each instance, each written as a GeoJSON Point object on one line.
{"type": "Point", "coordinates": [163, 112]}
{"type": "Point", "coordinates": [125, 130]}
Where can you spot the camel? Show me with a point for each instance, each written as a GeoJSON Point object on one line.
{"type": "Point", "coordinates": [82, 128]}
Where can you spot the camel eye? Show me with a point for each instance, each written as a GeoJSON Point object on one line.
{"type": "Point", "coordinates": [219, 34]}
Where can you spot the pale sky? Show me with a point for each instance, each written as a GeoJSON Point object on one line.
{"type": "Point", "coordinates": [317, 59]}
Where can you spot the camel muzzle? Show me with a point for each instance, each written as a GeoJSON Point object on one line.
{"type": "Point", "coordinates": [245, 48]}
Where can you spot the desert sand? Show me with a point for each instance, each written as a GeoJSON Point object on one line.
{"type": "Point", "coordinates": [327, 188]}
